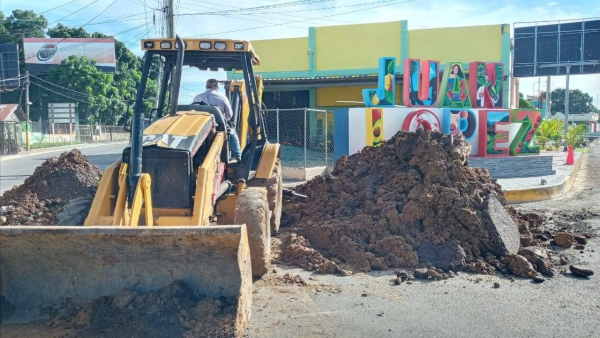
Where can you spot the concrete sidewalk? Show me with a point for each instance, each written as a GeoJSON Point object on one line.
{"type": "Point", "coordinates": [531, 189]}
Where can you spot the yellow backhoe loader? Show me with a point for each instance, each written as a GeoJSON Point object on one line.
{"type": "Point", "coordinates": [174, 207]}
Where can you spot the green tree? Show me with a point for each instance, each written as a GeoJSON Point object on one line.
{"type": "Point", "coordinates": [22, 24]}
{"type": "Point", "coordinates": [579, 102]}
{"type": "Point", "coordinates": [524, 103]}
{"type": "Point", "coordinates": [575, 134]}
{"type": "Point", "coordinates": [81, 75]}
{"type": "Point", "coordinates": [549, 130]}
{"type": "Point", "coordinates": [61, 31]}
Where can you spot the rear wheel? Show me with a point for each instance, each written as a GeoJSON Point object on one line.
{"type": "Point", "coordinates": [275, 197]}
{"type": "Point", "coordinates": [252, 209]}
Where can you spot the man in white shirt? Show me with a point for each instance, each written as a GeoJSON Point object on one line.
{"type": "Point", "coordinates": [212, 97]}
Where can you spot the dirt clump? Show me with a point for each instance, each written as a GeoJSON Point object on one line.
{"type": "Point", "coordinates": [172, 311]}
{"type": "Point", "coordinates": [395, 205]}
{"type": "Point", "coordinates": [41, 198]}
{"type": "Point", "coordinates": [564, 239]}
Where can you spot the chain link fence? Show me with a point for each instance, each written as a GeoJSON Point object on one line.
{"type": "Point", "coordinates": [305, 135]}
{"type": "Point", "coordinates": [45, 134]}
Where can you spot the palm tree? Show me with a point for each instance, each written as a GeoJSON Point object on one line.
{"type": "Point", "coordinates": [549, 130]}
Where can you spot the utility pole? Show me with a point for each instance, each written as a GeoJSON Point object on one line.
{"type": "Point", "coordinates": [27, 126]}
{"type": "Point", "coordinates": [170, 10]}
{"type": "Point", "coordinates": [548, 96]}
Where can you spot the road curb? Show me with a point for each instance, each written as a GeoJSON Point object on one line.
{"type": "Point", "coordinates": [544, 193]}
{"type": "Point", "coordinates": [53, 149]}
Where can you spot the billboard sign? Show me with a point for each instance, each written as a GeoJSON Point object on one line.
{"type": "Point", "coordinates": [43, 53]}
{"type": "Point", "coordinates": [9, 66]}
{"type": "Point", "coordinates": [537, 45]}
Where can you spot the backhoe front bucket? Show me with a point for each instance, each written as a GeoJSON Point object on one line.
{"type": "Point", "coordinates": [43, 267]}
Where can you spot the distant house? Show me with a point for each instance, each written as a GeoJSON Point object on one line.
{"type": "Point", "coordinates": [10, 128]}
{"type": "Point", "coordinates": [11, 113]}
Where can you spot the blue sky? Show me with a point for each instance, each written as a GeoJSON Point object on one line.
{"type": "Point", "coordinates": [133, 19]}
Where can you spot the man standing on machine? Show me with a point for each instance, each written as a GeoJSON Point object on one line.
{"type": "Point", "coordinates": [212, 97]}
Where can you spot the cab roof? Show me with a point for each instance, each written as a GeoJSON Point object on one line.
{"type": "Point", "coordinates": [206, 54]}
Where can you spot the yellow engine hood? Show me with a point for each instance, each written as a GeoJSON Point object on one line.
{"type": "Point", "coordinates": [184, 131]}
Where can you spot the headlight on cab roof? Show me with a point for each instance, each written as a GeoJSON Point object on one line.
{"type": "Point", "coordinates": [204, 45]}
{"type": "Point", "coordinates": [220, 45]}
{"type": "Point", "coordinates": [149, 44]}
{"type": "Point", "coordinates": [165, 45]}
{"type": "Point", "coordinates": [238, 46]}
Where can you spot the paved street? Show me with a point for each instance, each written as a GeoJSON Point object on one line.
{"type": "Point", "coordinates": [370, 305]}
{"type": "Point", "coordinates": [15, 171]}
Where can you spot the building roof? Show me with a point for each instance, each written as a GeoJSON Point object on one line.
{"type": "Point", "coordinates": [324, 81]}
{"type": "Point", "coordinates": [11, 112]}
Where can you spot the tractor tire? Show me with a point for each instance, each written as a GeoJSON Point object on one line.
{"type": "Point", "coordinates": [252, 209]}
{"type": "Point", "coordinates": [275, 197]}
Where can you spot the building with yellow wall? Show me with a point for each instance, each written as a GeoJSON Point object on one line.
{"type": "Point", "coordinates": [330, 67]}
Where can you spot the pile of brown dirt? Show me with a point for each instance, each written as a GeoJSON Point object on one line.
{"type": "Point", "coordinates": [173, 311]}
{"type": "Point", "coordinates": [40, 199]}
{"type": "Point", "coordinates": [410, 202]}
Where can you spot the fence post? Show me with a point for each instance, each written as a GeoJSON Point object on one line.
{"type": "Point", "coordinates": [277, 114]}
{"type": "Point", "coordinates": [305, 119]}
{"type": "Point", "coordinates": [70, 126]}
{"type": "Point", "coordinates": [110, 132]}
{"type": "Point", "coordinates": [52, 120]}
{"type": "Point", "coordinates": [326, 141]}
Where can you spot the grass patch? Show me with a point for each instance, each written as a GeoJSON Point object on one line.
{"type": "Point", "coordinates": [42, 145]}
{"type": "Point", "coordinates": [582, 150]}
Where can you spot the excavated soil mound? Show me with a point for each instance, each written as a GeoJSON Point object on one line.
{"type": "Point", "coordinates": [173, 311]}
{"type": "Point", "coordinates": [410, 202]}
{"type": "Point", "coordinates": [40, 199]}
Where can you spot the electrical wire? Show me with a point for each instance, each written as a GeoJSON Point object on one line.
{"type": "Point", "coordinates": [385, 4]}
{"type": "Point", "coordinates": [51, 9]}
{"type": "Point", "coordinates": [77, 11]}
{"type": "Point", "coordinates": [269, 17]}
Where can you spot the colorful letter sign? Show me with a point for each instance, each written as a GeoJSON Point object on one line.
{"type": "Point", "coordinates": [385, 93]}
{"type": "Point", "coordinates": [485, 84]}
{"type": "Point", "coordinates": [374, 124]}
{"type": "Point", "coordinates": [454, 92]}
{"type": "Point", "coordinates": [421, 85]}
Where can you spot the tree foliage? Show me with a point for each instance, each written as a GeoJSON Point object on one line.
{"type": "Point", "coordinates": [106, 95]}
{"type": "Point", "coordinates": [61, 31]}
{"type": "Point", "coordinates": [579, 102]}
{"type": "Point", "coordinates": [576, 134]}
{"type": "Point", "coordinates": [549, 131]}
{"type": "Point", "coordinates": [524, 103]}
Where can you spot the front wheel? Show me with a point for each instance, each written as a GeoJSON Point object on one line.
{"type": "Point", "coordinates": [252, 209]}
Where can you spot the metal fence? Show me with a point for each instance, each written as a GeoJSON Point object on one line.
{"type": "Point", "coordinates": [305, 135]}
{"type": "Point", "coordinates": [11, 141]}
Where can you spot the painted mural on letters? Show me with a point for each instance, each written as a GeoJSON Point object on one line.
{"type": "Point", "coordinates": [471, 108]}
{"type": "Point", "coordinates": [487, 87]}
{"type": "Point", "coordinates": [421, 85]}
{"type": "Point", "coordinates": [384, 95]}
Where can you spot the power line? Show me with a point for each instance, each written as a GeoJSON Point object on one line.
{"type": "Point", "coordinates": [385, 3]}
{"type": "Point", "coordinates": [79, 10]}
{"type": "Point", "coordinates": [51, 9]}
{"type": "Point", "coordinates": [270, 17]}
{"type": "Point", "coordinates": [59, 93]}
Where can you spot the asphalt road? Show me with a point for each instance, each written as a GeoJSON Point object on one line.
{"type": "Point", "coordinates": [370, 305]}
{"type": "Point", "coordinates": [15, 171]}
